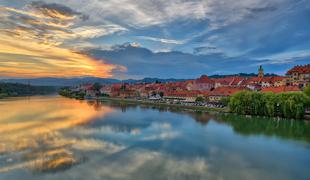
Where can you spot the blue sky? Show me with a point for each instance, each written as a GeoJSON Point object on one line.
{"type": "Point", "coordinates": [163, 38]}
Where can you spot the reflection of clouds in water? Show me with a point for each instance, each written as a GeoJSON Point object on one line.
{"type": "Point", "coordinates": [162, 136]}
{"type": "Point", "coordinates": [104, 130]}
{"type": "Point", "coordinates": [45, 138]}
{"type": "Point", "coordinates": [142, 164]}
{"type": "Point", "coordinates": [160, 126]}
{"type": "Point", "coordinates": [96, 145]}
{"type": "Point", "coordinates": [160, 131]}
{"type": "Point", "coordinates": [32, 130]}
{"type": "Point", "coordinates": [58, 155]}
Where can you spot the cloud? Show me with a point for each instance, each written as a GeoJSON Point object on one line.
{"type": "Point", "coordinates": [144, 13]}
{"type": "Point", "coordinates": [57, 11]}
{"type": "Point", "coordinates": [167, 64]}
{"type": "Point", "coordinates": [162, 40]}
{"type": "Point", "coordinates": [197, 34]}
{"type": "Point", "coordinates": [205, 49]}
{"type": "Point", "coordinates": [36, 41]}
{"type": "Point", "coordinates": [286, 57]}
{"type": "Point", "coordinates": [96, 31]}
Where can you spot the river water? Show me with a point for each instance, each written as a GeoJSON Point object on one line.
{"type": "Point", "coordinates": [54, 138]}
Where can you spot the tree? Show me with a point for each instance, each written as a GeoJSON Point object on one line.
{"type": "Point", "coordinates": [154, 93]}
{"type": "Point", "coordinates": [224, 101]}
{"type": "Point", "coordinates": [123, 87]}
{"type": "Point", "coordinates": [96, 88]}
{"type": "Point", "coordinates": [287, 105]}
{"type": "Point", "coordinates": [307, 90]}
{"type": "Point", "coordinates": [161, 94]}
{"type": "Point", "coordinates": [200, 99]}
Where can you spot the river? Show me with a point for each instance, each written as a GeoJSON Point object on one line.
{"type": "Point", "coordinates": [53, 138]}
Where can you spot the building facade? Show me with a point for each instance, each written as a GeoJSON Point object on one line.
{"type": "Point", "coordinates": [299, 76]}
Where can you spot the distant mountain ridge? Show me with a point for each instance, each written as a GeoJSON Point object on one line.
{"type": "Point", "coordinates": [85, 80]}
{"type": "Point", "coordinates": [242, 75]}
{"type": "Point", "coordinates": [76, 81]}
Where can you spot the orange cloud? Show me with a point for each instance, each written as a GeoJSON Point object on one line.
{"type": "Point", "coordinates": [31, 43]}
{"type": "Point", "coordinates": [30, 59]}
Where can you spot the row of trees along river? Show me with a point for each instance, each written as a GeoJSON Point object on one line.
{"type": "Point", "coordinates": [286, 105]}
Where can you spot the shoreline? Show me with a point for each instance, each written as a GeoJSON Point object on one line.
{"type": "Point", "coordinates": [187, 108]}
{"type": "Point", "coordinates": [178, 106]}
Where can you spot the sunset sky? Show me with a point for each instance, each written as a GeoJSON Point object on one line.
{"type": "Point", "coordinates": [143, 38]}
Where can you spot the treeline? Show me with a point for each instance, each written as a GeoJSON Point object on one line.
{"type": "Point", "coordinates": [81, 94]}
{"type": "Point", "coordinates": [14, 89]}
{"type": "Point", "coordinates": [287, 105]}
{"type": "Point", "coordinates": [66, 92]}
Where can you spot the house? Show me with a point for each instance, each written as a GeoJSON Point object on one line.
{"type": "Point", "coordinates": [203, 83]}
{"type": "Point", "coordinates": [274, 81]}
{"type": "Point", "coordinates": [299, 76]}
{"type": "Point", "coordinates": [217, 94]}
{"type": "Point", "coordinates": [278, 81]}
{"type": "Point", "coordinates": [106, 89]}
{"type": "Point", "coordinates": [222, 82]}
{"type": "Point", "coordinates": [188, 96]}
{"type": "Point", "coordinates": [231, 81]}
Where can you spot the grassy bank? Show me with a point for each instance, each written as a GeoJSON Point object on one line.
{"type": "Point", "coordinates": [177, 106]}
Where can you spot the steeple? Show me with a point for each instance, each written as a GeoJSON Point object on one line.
{"type": "Point", "coordinates": [260, 71]}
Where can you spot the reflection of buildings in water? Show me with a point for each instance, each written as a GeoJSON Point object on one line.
{"type": "Point", "coordinates": [201, 117]}
{"type": "Point", "coordinates": [31, 131]}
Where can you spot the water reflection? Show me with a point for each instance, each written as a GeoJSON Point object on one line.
{"type": "Point", "coordinates": [58, 138]}
{"type": "Point", "coordinates": [286, 129]}
{"type": "Point", "coordinates": [33, 130]}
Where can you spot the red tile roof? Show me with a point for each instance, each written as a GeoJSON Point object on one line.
{"type": "Point", "coordinates": [300, 69]}
{"type": "Point", "coordinates": [224, 81]}
{"type": "Point", "coordinates": [237, 81]}
{"type": "Point", "coordinates": [272, 79]}
{"type": "Point", "coordinates": [204, 79]}
{"type": "Point", "coordinates": [226, 91]}
{"type": "Point", "coordinates": [281, 89]}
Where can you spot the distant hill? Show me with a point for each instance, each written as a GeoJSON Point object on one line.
{"type": "Point", "coordinates": [152, 80]}
{"type": "Point", "coordinates": [60, 82]}
{"type": "Point", "coordinates": [15, 89]}
{"type": "Point", "coordinates": [76, 81]}
{"type": "Point", "coordinates": [242, 75]}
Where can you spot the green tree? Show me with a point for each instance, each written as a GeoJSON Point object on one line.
{"type": "Point", "coordinates": [200, 99]}
{"type": "Point", "coordinates": [307, 90]}
{"type": "Point", "coordinates": [287, 105]}
{"type": "Point", "coordinates": [96, 88]}
{"type": "Point", "coordinates": [224, 101]}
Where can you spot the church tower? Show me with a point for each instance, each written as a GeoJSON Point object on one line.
{"type": "Point", "coordinates": [260, 72]}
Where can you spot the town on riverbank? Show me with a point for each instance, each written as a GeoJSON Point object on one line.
{"type": "Point", "coordinates": [274, 96]}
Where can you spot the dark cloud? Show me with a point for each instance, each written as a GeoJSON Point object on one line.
{"type": "Point", "coordinates": [204, 49]}
{"type": "Point", "coordinates": [53, 10]}
{"type": "Point", "coordinates": [142, 62]}
{"type": "Point", "coordinates": [41, 22]}
{"type": "Point", "coordinates": [262, 9]}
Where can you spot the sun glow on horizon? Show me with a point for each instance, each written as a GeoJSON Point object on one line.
{"type": "Point", "coordinates": [32, 45]}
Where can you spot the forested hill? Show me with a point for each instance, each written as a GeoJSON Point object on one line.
{"type": "Point", "coordinates": [15, 89]}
